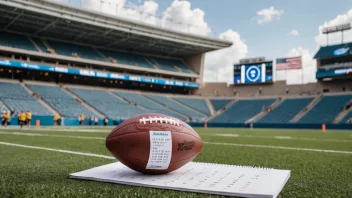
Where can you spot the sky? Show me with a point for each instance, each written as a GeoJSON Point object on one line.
{"type": "Point", "coordinates": [269, 28]}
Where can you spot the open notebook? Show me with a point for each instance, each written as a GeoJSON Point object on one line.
{"type": "Point", "coordinates": [217, 179]}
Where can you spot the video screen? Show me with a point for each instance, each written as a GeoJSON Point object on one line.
{"type": "Point", "coordinates": [253, 73]}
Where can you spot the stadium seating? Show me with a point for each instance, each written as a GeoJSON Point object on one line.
{"type": "Point", "coordinates": [346, 118]}
{"type": "Point", "coordinates": [16, 98]}
{"type": "Point", "coordinates": [148, 104]}
{"type": "Point", "coordinates": [16, 41]}
{"type": "Point", "coordinates": [177, 107]}
{"type": "Point", "coordinates": [3, 107]}
{"type": "Point", "coordinates": [242, 110]}
{"type": "Point", "coordinates": [107, 104]}
{"type": "Point", "coordinates": [127, 59]}
{"type": "Point", "coordinates": [326, 109]}
{"type": "Point", "coordinates": [173, 65]}
{"type": "Point", "coordinates": [40, 45]}
{"type": "Point", "coordinates": [68, 49]}
{"type": "Point", "coordinates": [61, 101]}
{"type": "Point", "coordinates": [195, 103]}
{"type": "Point", "coordinates": [285, 111]}
{"type": "Point", "coordinates": [219, 103]}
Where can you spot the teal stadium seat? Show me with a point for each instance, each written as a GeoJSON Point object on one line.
{"type": "Point", "coordinates": [286, 111]}
{"type": "Point", "coordinates": [219, 103]}
{"type": "Point", "coordinates": [242, 110]}
{"type": "Point", "coordinates": [16, 98]}
{"type": "Point", "coordinates": [148, 104]}
{"type": "Point", "coordinates": [40, 45]}
{"type": "Point", "coordinates": [346, 118]}
{"type": "Point", "coordinates": [61, 101]}
{"type": "Point", "coordinates": [67, 49]}
{"type": "Point", "coordinates": [326, 109]}
{"type": "Point", "coordinates": [198, 104]}
{"type": "Point", "coordinates": [127, 59]}
{"type": "Point", "coordinates": [108, 104]}
{"type": "Point", "coordinates": [16, 41]}
{"type": "Point", "coordinates": [177, 107]}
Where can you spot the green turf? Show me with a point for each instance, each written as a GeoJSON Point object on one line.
{"type": "Point", "coordinates": [37, 173]}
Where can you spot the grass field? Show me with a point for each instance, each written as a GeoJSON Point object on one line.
{"type": "Point", "coordinates": [320, 163]}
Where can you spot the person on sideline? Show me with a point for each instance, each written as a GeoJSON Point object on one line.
{"type": "Point", "coordinates": [22, 118]}
{"type": "Point", "coordinates": [81, 119]}
{"type": "Point", "coordinates": [28, 118]}
{"type": "Point", "coordinates": [106, 121]}
{"type": "Point", "coordinates": [56, 119]}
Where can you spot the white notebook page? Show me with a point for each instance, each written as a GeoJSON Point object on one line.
{"type": "Point", "coordinates": [198, 177]}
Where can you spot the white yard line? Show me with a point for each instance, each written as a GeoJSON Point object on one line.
{"type": "Point", "coordinates": [275, 137]}
{"type": "Point", "coordinates": [279, 147]}
{"type": "Point", "coordinates": [51, 135]}
{"type": "Point", "coordinates": [56, 150]}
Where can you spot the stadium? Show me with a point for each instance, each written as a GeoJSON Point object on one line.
{"type": "Point", "coordinates": [75, 68]}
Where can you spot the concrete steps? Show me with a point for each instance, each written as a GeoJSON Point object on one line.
{"type": "Point", "coordinates": [40, 99]}
{"type": "Point", "coordinates": [263, 113]}
{"type": "Point", "coordinates": [342, 115]}
{"type": "Point", "coordinates": [306, 109]}
{"type": "Point", "coordinates": [220, 111]}
{"type": "Point", "coordinates": [97, 112]}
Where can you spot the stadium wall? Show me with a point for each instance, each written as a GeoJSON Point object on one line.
{"type": "Point", "coordinates": [196, 63]}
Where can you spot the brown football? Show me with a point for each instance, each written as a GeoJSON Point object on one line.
{"type": "Point", "coordinates": [154, 143]}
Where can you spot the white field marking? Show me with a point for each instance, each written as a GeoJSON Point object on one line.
{"type": "Point", "coordinates": [228, 135]}
{"type": "Point", "coordinates": [282, 137]}
{"type": "Point", "coordinates": [57, 150]}
{"type": "Point", "coordinates": [279, 147]}
{"type": "Point", "coordinates": [51, 135]}
{"type": "Point", "coordinates": [277, 137]}
{"type": "Point", "coordinates": [233, 144]}
{"type": "Point", "coordinates": [62, 130]}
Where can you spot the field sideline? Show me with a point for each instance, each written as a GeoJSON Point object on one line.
{"type": "Point", "coordinates": [36, 163]}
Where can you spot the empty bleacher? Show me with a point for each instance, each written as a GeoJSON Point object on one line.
{"type": "Point", "coordinates": [127, 59]}
{"type": "Point", "coordinates": [198, 104]}
{"type": "Point", "coordinates": [16, 41]}
{"type": "Point", "coordinates": [108, 104]}
{"type": "Point", "coordinates": [219, 103]}
{"type": "Point", "coordinates": [346, 118]}
{"type": "Point", "coordinates": [286, 110]}
{"type": "Point", "coordinates": [148, 104]}
{"type": "Point", "coordinates": [242, 110]}
{"type": "Point", "coordinates": [61, 101]}
{"type": "Point", "coordinates": [40, 44]}
{"type": "Point", "coordinates": [177, 107]}
{"type": "Point", "coordinates": [326, 109]}
{"type": "Point", "coordinates": [173, 65]}
{"type": "Point", "coordinates": [68, 49]}
{"type": "Point", "coordinates": [16, 98]}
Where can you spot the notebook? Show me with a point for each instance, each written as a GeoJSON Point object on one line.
{"type": "Point", "coordinates": [208, 178]}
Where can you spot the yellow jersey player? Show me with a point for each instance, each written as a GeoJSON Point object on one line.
{"type": "Point", "coordinates": [22, 118]}
{"type": "Point", "coordinates": [56, 119]}
{"type": "Point", "coordinates": [28, 118]}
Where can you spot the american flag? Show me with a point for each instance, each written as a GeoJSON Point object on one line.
{"type": "Point", "coordinates": [289, 63]}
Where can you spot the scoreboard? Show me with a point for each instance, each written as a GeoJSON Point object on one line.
{"type": "Point", "coordinates": [260, 72]}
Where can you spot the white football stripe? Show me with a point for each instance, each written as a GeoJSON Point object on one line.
{"type": "Point", "coordinates": [56, 150]}
{"type": "Point", "coordinates": [279, 147]}
{"type": "Point", "coordinates": [275, 137]}
{"type": "Point", "coordinates": [51, 135]}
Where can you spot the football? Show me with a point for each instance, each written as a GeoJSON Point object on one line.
{"type": "Point", "coordinates": [154, 143]}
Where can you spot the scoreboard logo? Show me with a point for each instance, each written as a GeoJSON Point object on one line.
{"type": "Point", "coordinates": [253, 73]}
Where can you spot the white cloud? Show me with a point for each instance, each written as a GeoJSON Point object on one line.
{"type": "Point", "coordinates": [294, 33]}
{"type": "Point", "coordinates": [184, 18]}
{"type": "Point", "coordinates": [308, 68]}
{"type": "Point", "coordinates": [268, 14]}
{"type": "Point", "coordinates": [219, 64]}
{"type": "Point", "coordinates": [335, 38]}
{"type": "Point", "coordinates": [178, 16]}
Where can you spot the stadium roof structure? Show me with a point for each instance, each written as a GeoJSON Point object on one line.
{"type": "Point", "coordinates": [334, 51]}
{"type": "Point", "coordinates": [50, 19]}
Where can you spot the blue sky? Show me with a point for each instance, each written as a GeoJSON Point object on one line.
{"type": "Point", "coordinates": [271, 39]}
